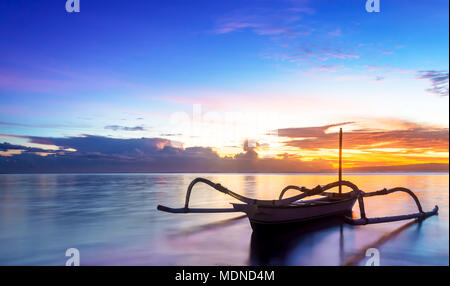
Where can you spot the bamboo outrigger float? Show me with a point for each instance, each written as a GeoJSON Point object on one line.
{"type": "Point", "coordinates": [294, 209]}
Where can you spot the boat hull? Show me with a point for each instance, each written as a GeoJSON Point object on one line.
{"type": "Point", "coordinates": [295, 213]}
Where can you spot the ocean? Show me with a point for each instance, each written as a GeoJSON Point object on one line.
{"type": "Point", "coordinates": [112, 220]}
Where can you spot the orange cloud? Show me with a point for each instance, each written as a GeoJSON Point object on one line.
{"type": "Point", "coordinates": [313, 138]}
{"type": "Point", "coordinates": [411, 144]}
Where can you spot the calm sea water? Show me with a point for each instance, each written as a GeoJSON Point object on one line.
{"type": "Point", "coordinates": [112, 220]}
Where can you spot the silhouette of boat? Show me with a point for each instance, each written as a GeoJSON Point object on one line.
{"type": "Point", "coordinates": [285, 211]}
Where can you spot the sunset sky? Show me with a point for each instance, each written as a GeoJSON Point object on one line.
{"type": "Point", "coordinates": [223, 86]}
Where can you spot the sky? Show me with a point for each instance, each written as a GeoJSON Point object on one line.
{"type": "Point", "coordinates": [223, 86]}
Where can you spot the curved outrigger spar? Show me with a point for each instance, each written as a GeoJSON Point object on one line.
{"type": "Point", "coordinates": [294, 209]}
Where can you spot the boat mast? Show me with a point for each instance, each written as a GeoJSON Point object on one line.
{"type": "Point", "coordinates": [340, 160]}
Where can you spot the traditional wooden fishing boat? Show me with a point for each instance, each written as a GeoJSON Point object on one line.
{"type": "Point", "coordinates": [294, 209]}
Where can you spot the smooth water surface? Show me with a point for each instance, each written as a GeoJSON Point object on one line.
{"type": "Point", "coordinates": [112, 220]}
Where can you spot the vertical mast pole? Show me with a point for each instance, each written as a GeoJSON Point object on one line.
{"type": "Point", "coordinates": [340, 160]}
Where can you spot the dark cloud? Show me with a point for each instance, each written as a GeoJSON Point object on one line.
{"type": "Point", "coordinates": [124, 128]}
{"type": "Point", "coordinates": [103, 154]}
{"type": "Point", "coordinates": [305, 132]}
{"type": "Point", "coordinates": [7, 146]}
{"type": "Point", "coordinates": [105, 145]}
{"type": "Point", "coordinates": [439, 81]}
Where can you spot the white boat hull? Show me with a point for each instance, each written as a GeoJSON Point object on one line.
{"type": "Point", "coordinates": [297, 212]}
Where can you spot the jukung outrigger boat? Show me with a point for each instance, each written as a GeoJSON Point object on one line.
{"type": "Point", "coordinates": [294, 209]}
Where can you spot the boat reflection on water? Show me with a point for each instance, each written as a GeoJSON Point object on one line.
{"type": "Point", "coordinates": [279, 244]}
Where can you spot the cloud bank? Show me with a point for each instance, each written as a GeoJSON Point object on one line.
{"type": "Point", "coordinates": [104, 154]}
{"type": "Point", "coordinates": [408, 147]}
{"type": "Point", "coordinates": [415, 137]}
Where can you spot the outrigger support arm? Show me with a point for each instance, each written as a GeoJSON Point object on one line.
{"type": "Point", "coordinates": [218, 187]}
{"type": "Point", "coordinates": [319, 190]}
{"type": "Point", "coordinates": [281, 202]}
{"type": "Point", "coordinates": [364, 220]}
{"type": "Point", "coordinates": [360, 194]}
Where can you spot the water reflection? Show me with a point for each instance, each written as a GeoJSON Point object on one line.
{"type": "Point", "coordinates": [357, 257]}
{"type": "Point", "coordinates": [112, 219]}
{"type": "Point", "coordinates": [274, 245]}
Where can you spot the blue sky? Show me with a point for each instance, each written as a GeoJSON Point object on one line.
{"type": "Point", "coordinates": [135, 64]}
